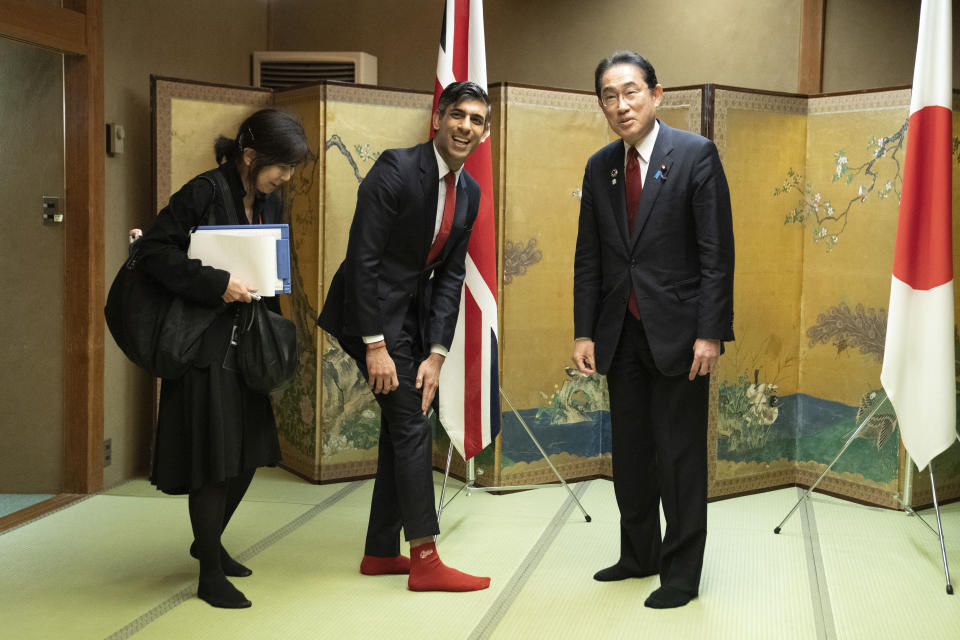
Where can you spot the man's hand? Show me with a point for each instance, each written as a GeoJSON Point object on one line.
{"type": "Point", "coordinates": [381, 371]}
{"type": "Point", "coordinates": [705, 355]}
{"type": "Point", "coordinates": [428, 379]}
{"type": "Point", "coordinates": [583, 356]}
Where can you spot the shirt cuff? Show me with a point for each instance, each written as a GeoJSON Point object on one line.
{"type": "Point", "coordinates": [372, 339]}
{"type": "Point", "coordinates": [440, 349]}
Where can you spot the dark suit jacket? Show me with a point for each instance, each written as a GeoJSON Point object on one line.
{"type": "Point", "coordinates": [163, 249]}
{"type": "Point", "coordinates": [385, 269]}
{"type": "Point", "coordinates": [679, 259]}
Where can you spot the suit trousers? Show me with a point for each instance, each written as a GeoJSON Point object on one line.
{"type": "Point", "coordinates": [659, 426]}
{"type": "Point", "coordinates": [403, 495]}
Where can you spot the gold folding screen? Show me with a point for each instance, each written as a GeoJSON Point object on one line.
{"type": "Point", "coordinates": [814, 184]}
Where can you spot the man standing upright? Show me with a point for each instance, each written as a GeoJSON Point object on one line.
{"type": "Point", "coordinates": [393, 306]}
{"type": "Point", "coordinates": [653, 303]}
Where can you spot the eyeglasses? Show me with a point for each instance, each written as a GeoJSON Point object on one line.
{"type": "Point", "coordinates": [612, 100]}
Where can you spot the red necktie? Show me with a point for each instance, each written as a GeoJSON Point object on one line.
{"type": "Point", "coordinates": [634, 189]}
{"type": "Point", "coordinates": [449, 204]}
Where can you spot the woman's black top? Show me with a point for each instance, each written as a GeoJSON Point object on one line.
{"type": "Point", "coordinates": [210, 427]}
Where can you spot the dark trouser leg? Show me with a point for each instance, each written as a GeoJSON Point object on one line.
{"type": "Point", "coordinates": [405, 463]}
{"type": "Point", "coordinates": [634, 455]}
{"type": "Point", "coordinates": [680, 407]}
{"type": "Point", "coordinates": [383, 528]}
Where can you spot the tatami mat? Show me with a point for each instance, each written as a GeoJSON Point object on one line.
{"type": "Point", "coordinates": [885, 574]}
{"type": "Point", "coordinates": [116, 566]}
{"type": "Point", "coordinates": [746, 568]}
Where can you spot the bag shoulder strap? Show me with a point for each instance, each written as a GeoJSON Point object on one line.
{"type": "Point", "coordinates": [221, 188]}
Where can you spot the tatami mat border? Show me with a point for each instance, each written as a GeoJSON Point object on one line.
{"type": "Point", "coordinates": [189, 592]}
{"type": "Point", "coordinates": [499, 608]}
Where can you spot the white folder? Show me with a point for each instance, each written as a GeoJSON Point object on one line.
{"type": "Point", "coordinates": [250, 255]}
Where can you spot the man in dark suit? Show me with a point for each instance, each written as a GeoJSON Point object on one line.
{"type": "Point", "coordinates": [393, 306]}
{"type": "Point", "coordinates": [653, 302]}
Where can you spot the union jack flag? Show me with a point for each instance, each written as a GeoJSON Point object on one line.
{"type": "Point", "coordinates": [469, 379]}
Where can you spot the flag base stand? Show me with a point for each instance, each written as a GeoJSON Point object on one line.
{"type": "Point", "coordinates": [907, 482]}
{"type": "Point", "coordinates": [470, 486]}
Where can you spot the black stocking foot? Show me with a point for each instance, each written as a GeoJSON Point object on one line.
{"type": "Point", "coordinates": [217, 591]}
{"type": "Point", "coordinates": [618, 572]}
{"type": "Point", "coordinates": [230, 567]}
{"type": "Point", "coordinates": [668, 598]}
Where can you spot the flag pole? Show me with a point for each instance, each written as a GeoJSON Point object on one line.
{"type": "Point", "coordinates": [907, 501]}
{"type": "Point", "coordinates": [830, 466]}
{"type": "Point", "coordinates": [943, 548]}
{"type": "Point", "coordinates": [470, 485]}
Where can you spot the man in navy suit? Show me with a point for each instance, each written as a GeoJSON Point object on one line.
{"type": "Point", "coordinates": [393, 306]}
{"type": "Point", "coordinates": [653, 303]}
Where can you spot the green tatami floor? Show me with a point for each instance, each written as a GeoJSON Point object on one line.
{"type": "Point", "coordinates": [116, 565]}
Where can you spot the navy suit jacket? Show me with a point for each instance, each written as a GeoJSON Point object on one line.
{"type": "Point", "coordinates": [678, 260]}
{"type": "Point", "coordinates": [386, 270]}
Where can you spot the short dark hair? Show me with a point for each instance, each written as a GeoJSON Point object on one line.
{"type": "Point", "coordinates": [625, 57]}
{"type": "Point", "coordinates": [456, 92]}
{"type": "Point", "coordinates": [276, 136]}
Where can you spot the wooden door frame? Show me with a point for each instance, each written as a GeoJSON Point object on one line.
{"type": "Point", "coordinates": [810, 73]}
{"type": "Point", "coordinates": [76, 30]}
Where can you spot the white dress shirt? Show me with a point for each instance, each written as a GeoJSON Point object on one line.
{"type": "Point", "coordinates": [644, 150]}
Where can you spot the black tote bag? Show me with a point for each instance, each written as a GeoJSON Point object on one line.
{"type": "Point", "coordinates": [267, 353]}
{"type": "Point", "coordinates": [156, 329]}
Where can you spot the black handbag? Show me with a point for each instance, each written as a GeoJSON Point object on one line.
{"type": "Point", "coordinates": [267, 353]}
{"type": "Point", "coordinates": [156, 329]}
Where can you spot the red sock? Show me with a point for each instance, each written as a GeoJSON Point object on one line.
{"type": "Point", "coordinates": [427, 573]}
{"type": "Point", "coordinates": [377, 566]}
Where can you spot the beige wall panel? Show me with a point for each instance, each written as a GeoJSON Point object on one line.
{"type": "Point", "coordinates": [867, 43]}
{"type": "Point", "coordinates": [559, 42]}
{"type": "Point", "coordinates": [870, 44]}
{"type": "Point", "coordinates": [178, 38]}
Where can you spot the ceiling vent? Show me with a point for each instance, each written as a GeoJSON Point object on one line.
{"type": "Point", "coordinates": [281, 69]}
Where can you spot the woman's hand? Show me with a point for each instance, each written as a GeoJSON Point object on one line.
{"type": "Point", "coordinates": [237, 292]}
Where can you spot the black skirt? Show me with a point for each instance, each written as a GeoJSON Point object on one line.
{"type": "Point", "coordinates": [210, 426]}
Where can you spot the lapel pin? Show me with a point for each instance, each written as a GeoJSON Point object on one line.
{"type": "Point", "coordinates": [613, 173]}
{"type": "Point", "coordinates": [661, 173]}
{"type": "Point", "coordinates": [614, 181]}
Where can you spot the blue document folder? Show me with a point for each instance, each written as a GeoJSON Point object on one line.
{"type": "Point", "coordinates": [283, 247]}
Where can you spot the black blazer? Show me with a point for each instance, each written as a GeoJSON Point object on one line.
{"type": "Point", "coordinates": [679, 259]}
{"type": "Point", "coordinates": [385, 270]}
{"type": "Point", "coordinates": [163, 250]}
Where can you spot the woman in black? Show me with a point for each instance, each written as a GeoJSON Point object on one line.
{"type": "Point", "coordinates": [212, 431]}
